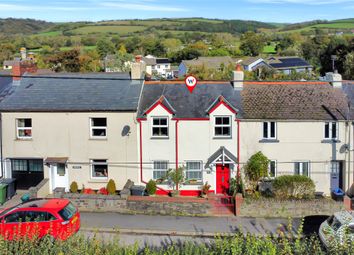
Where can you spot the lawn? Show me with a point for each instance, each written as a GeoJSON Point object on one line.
{"type": "Point", "coordinates": [269, 49]}
{"type": "Point", "coordinates": [83, 47]}
{"type": "Point", "coordinates": [122, 30]}
{"type": "Point", "coordinates": [51, 33]}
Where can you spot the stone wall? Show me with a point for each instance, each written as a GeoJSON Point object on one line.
{"type": "Point", "coordinates": [168, 205]}
{"type": "Point", "coordinates": [265, 207]}
{"type": "Point", "coordinates": [97, 203]}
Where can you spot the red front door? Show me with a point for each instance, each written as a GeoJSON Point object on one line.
{"type": "Point", "coordinates": [222, 179]}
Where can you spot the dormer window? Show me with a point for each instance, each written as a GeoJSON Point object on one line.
{"type": "Point", "coordinates": [222, 126]}
{"type": "Point", "coordinates": [160, 127]}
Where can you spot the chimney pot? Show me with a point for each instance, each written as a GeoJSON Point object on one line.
{"type": "Point", "coordinates": [238, 77]}
{"type": "Point", "coordinates": [138, 58]}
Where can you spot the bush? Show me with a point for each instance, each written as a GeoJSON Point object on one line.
{"type": "Point", "coordinates": [103, 191]}
{"type": "Point", "coordinates": [111, 187]}
{"type": "Point", "coordinates": [256, 168]}
{"type": "Point", "coordinates": [74, 187]}
{"type": "Point", "coordinates": [293, 186]}
{"type": "Point", "coordinates": [151, 187]}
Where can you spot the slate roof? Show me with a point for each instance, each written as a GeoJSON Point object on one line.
{"type": "Point", "coordinates": [274, 100]}
{"type": "Point", "coordinates": [348, 89]}
{"type": "Point", "coordinates": [287, 62]}
{"type": "Point", "coordinates": [72, 92]}
{"type": "Point", "coordinates": [186, 104]}
{"type": "Point", "coordinates": [300, 101]}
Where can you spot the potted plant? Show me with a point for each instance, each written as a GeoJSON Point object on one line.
{"type": "Point", "coordinates": [176, 177]}
{"type": "Point", "coordinates": [205, 190]}
{"type": "Point", "coordinates": [193, 181]}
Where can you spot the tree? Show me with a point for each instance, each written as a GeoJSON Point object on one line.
{"type": "Point", "coordinates": [171, 45]}
{"type": "Point", "coordinates": [252, 44]}
{"type": "Point", "coordinates": [7, 51]}
{"type": "Point", "coordinates": [68, 61]}
{"type": "Point", "coordinates": [349, 66]}
{"type": "Point", "coordinates": [256, 168]}
{"type": "Point", "coordinates": [104, 47]}
{"type": "Point", "coordinates": [176, 176]}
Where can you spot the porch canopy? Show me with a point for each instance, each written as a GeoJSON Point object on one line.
{"type": "Point", "coordinates": [56, 160]}
{"type": "Point", "coordinates": [221, 156]}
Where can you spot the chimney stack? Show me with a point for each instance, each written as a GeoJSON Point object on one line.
{"type": "Point", "coordinates": [335, 79]}
{"type": "Point", "coordinates": [238, 77]}
{"type": "Point", "coordinates": [21, 67]}
{"type": "Point", "coordinates": [23, 52]}
{"type": "Point", "coordinates": [138, 68]}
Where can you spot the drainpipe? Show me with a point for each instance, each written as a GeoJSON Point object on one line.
{"type": "Point", "coordinates": [141, 157]}
{"type": "Point", "coordinates": [177, 148]}
{"type": "Point", "coordinates": [238, 148]}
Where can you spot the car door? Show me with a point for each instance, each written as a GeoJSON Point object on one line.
{"type": "Point", "coordinates": [12, 225]}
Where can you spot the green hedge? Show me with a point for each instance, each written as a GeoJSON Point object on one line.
{"type": "Point", "coordinates": [293, 186]}
{"type": "Point", "coordinates": [238, 244]}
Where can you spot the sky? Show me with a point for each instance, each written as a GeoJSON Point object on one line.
{"type": "Point", "coordinates": [288, 11]}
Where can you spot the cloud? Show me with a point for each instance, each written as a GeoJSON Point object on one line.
{"type": "Point", "coordinates": [14, 7]}
{"type": "Point", "coordinates": [141, 6]}
{"type": "Point", "coordinates": [306, 2]}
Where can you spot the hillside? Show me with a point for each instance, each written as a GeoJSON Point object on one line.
{"type": "Point", "coordinates": [23, 26]}
{"type": "Point", "coordinates": [343, 24]}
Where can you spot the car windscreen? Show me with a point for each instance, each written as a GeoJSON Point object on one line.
{"type": "Point", "coordinates": [68, 212]}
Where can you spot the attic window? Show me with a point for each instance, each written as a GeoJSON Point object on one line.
{"type": "Point", "coordinates": [24, 128]}
{"type": "Point", "coordinates": [222, 126]}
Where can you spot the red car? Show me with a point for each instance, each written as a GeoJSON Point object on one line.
{"type": "Point", "coordinates": [37, 218]}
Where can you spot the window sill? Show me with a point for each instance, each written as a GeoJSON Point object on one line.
{"type": "Point", "coordinates": [193, 184]}
{"type": "Point", "coordinates": [23, 139]}
{"type": "Point", "coordinates": [160, 138]}
{"type": "Point", "coordinates": [98, 138]}
{"type": "Point", "coordinates": [222, 137]}
{"type": "Point", "coordinates": [330, 141]}
{"type": "Point", "coordinates": [269, 141]}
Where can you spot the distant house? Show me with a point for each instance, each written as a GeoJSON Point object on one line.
{"type": "Point", "coordinates": [159, 66]}
{"type": "Point", "coordinates": [209, 62]}
{"type": "Point", "coordinates": [8, 64]}
{"type": "Point", "coordinates": [25, 57]}
{"type": "Point", "coordinates": [254, 63]}
{"type": "Point", "coordinates": [288, 64]}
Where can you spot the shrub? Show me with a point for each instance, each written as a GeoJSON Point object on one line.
{"type": "Point", "coordinates": [236, 186]}
{"type": "Point", "coordinates": [74, 187]}
{"type": "Point", "coordinates": [205, 188]}
{"type": "Point", "coordinates": [256, 167]}
{"type": "Point", "coordinates": [151, 187]}
{"type": "Point", "coordinates": [293, 186]}
{"type": "Point", "coordinates": [176, 176]}
{"type": "Point", "coordinates": [111, 187]}
{"type": "Point", "coordinates": [103, 191]}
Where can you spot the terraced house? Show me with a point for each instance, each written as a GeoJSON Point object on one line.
{"type": "Point", "coordinates": [91, 128]}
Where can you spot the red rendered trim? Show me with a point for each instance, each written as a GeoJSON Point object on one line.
{"type": "Point", "coordinates": [177, 147]}
{"type": "Point", "coordinates": [238, 148]}
{"type": "Point", "coordinates": [185, 193]}
{"type": "Point", "coordinates": [192, 119]}
{"type": "Point", "coordinates": [165, 192]}
{"type": "Point", "coordinates": [225, 104]}
{"type": "Point", "coordinates": [141, 119]}
{"type": "Point", "coordinates": [157, 104]}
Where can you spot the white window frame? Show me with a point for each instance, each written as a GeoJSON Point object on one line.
{"type": "Point", "coordinates": [269, 126]}
{"type": "Point", "coordinates": [330, 130]}
{"type": "Point", "coordinates": [159, 169]}
{"type": "Point", "coordinates": [223, 126]}
{"type": "Point", "coordinates": [301, 167]}
{"type": "Point", "coordinates": [194, 170]}
{"type": "Point", "coordinates": [93, 163]}
{"type": "Point", "coordinates": [160, 126]}
{"type": "Point", "coordinates": [98, 127]}
{"type": "Point", "coordinates": [23, 128]}
{"type": "Point", "coordinates": [275, 168]}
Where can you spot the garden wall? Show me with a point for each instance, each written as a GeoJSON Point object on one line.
{"type": "Point", "coordinates": [267, 207]}
{"type": "Point", "coordinates": [168, 205]}
{"type": "Point", "coordinates": [96, 203]}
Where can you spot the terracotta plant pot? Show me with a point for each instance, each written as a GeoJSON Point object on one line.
{"type": "Point", "coordinates": [174, 193]}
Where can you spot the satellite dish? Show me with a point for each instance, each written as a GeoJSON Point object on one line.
{"type": "Point", "coordinates": [344, 148]}
{"type": "Point", "coordinates": [126, 130]}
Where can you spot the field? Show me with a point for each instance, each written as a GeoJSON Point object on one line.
{"type": "Point", "coordinates": [51, 33]}
{"type": "Point", "coordinates": [121, 30]}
